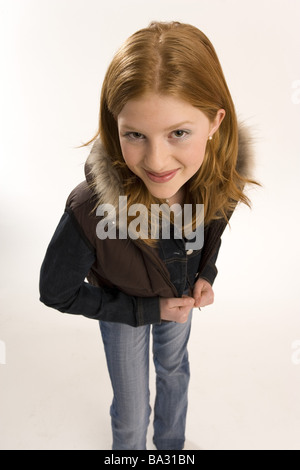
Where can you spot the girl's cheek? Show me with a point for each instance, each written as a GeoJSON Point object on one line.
{"type": "Point", "coordinates": [130, 155]}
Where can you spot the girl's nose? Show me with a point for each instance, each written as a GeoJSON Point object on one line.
{"type": "Point", "coordinates": [156, 157]}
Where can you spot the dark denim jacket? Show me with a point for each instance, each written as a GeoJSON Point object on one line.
{"type": "Point", "coordinates": [68, 261]}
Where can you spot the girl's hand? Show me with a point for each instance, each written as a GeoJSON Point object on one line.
{"type": "Point", "coordinates": [176, 309]}
{"type": "Point", "coordinates": [203, 293]}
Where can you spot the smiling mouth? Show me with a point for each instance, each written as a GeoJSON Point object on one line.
{"type": "Point", "coordinates": [161, 177]}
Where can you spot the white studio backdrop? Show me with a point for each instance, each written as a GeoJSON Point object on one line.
{"type": "Point", "coordinates": [245, 349]}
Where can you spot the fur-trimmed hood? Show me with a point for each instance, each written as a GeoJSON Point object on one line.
{"type": "Point", "coordinates": [105, 181]}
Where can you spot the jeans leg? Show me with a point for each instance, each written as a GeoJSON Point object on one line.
{"type": "Point", "coordinates": [127, 355]}
{"type": "Point", "coordinates": [172, 379]}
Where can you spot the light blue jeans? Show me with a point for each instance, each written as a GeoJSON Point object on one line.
{"type": "Point", "coordinates": [127, 355]}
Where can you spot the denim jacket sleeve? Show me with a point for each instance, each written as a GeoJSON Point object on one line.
{"type": "Point", "coordinates": [62, 283]}
{"type": "Point", "coordinates": [210, 271]}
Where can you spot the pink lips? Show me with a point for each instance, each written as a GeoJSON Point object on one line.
{"type": "Point", "coordinates": [161, 177]}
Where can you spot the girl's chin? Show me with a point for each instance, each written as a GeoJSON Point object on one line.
{"type": "Point", "coordinates": [170, 197]}
{"type": "Point", "coordinates": [163, 195]}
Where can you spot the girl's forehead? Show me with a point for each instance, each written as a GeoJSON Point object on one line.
{"type": "Point", "coordinates": [161, 107]}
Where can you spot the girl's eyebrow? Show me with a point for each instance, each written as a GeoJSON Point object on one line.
{"type": "Point", "coordinates": [174, 126]}
{"type": "Point", "coordinates": [180, 124]}
{"type": "Point", "coordinates": [127, 127]}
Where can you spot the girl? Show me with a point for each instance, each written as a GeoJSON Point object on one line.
{"type": "Point", "coordinates": [167, 133]}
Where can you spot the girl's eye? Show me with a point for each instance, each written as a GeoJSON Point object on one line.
{"type": "Point", "coordinates": [179, 133]}
{"type": "Point", "coordinates": [134, 135]}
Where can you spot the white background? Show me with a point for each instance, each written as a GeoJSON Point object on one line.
{"type": "Point", "coordinates": [54, 388]}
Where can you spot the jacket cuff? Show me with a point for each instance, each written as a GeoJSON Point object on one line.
{"type": "Point", "coordinates": [209, 273]}
{"type": "Point", "coordinates": [148, 310]}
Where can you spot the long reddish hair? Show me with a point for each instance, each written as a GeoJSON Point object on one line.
{"type": "Point", "coordinates": [179, 60]}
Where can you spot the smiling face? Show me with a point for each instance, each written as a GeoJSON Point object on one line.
{"type": "Point", "coordinates": [163, 141]}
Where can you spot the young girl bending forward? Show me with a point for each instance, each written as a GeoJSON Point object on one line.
{"type": "Point", "coordinates": [168, 134]}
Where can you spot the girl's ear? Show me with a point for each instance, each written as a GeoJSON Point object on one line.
{"type": "Point", "coordinates": [217, 121]}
